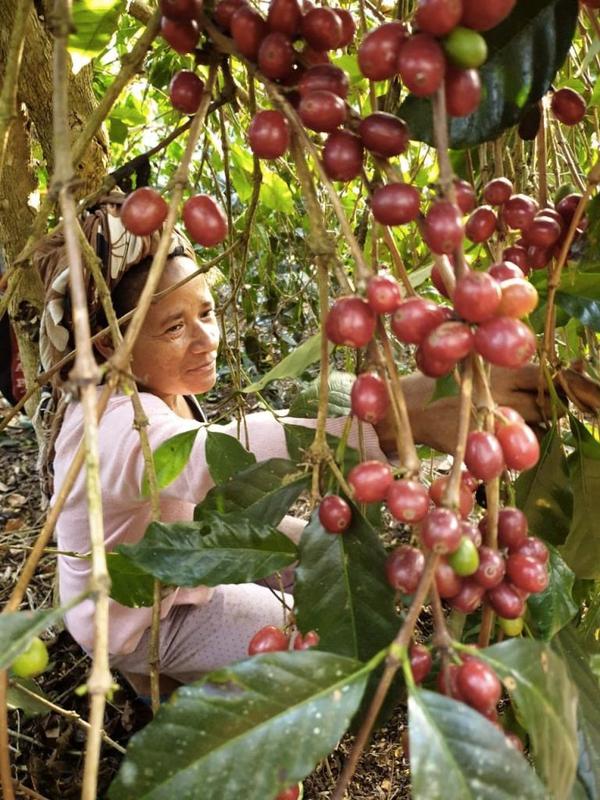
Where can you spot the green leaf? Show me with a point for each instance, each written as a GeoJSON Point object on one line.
{"type": "Point", "coordinates": [220, 549]}
{"type": "Point", "coordinates": [525, 52]}
{"type": "Point", "coordinates": [579, 296]}
{"type": "Point", "coordinates": [545, 701]}
{"type": "Point", "coordinates": [544, 494]}
{"type": "Point", "coordinates": [18, 628]}
{"type": "Point", "coordinates": [456, 753]}
{"type": "Point", "coordinates": [589, 628]}
{"type": "Point", "coordinates": [306, 404]}
{"type": "Point", "coordinates": [129, 585]}
{"type": "Point", "coordinates": [17, 698]}
{"type": "Point", "coordinates": [445, 387]}
{"type": "Point", "coordinates": [292, 366]}
{"type": "Point", "coordinates": [554, 608]}
{"type": "Point", "coordinates": [341, 590]}
{"type": "Point", "coordinates": [275, 193]}
{"type": "Point", "coordinates": [299, 439]}
{"type": "Point", "coordinates": [248, 731]}
{"type": "Point", "coordinates": [170, 459]}
{"type": "Point", "coordinates": [225, 455]}
{"type": "Point", "coordinates": [94, 21]}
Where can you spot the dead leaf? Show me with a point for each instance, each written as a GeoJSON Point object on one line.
{"type": "Point", "coordinates": [16, 500]}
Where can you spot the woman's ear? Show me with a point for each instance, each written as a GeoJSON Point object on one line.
{"type": "Point", "coordinates": [104, 346]}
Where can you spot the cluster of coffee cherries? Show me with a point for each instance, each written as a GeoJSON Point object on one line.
{"type": "Point", "coordinates": [272, 639]}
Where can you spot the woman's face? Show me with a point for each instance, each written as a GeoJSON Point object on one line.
{"type": "Point", "coordinates": [176, 351]}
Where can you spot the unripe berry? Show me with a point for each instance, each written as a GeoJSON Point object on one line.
{"type": "Point", "coordinates": [511, 627]}
{"type": "Point", "coordinates": [408, 501]}
{"type": "Point", "coordinates": [350, 322]}
{"type": "Point", "coordinates": [466, 48]}
{"type": "Point", "coordinates": [335, 515]}
{"type": "Point", "coordinates": [404, 567]}
{"type": "Point", "coordinates": [369, 398]}
{"type": "Point", "coordinates": [465, 560]}
{"type": "Point", "coordinates": [370, 481]}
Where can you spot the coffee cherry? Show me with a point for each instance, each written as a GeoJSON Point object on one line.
{"type": "Point", "coordinates": [443, 227]}
{"type": "Point", "coordinates": [269, 639]}
{"type": "Point", "coordinates": [568, 106]}
{"type": "Point", "coordinates": [335, 514]}
{"type": "Point", "coordinates": [351, 322]}
{"type": "Point", "coordinates": [291, 793]}
{"type": "Point", "coordinates": [567, 207]}
{"type": "Point", "coordinates": [512, 528]}
{"type": "Point", "coordinates": [497, 191]}
{"type": "Point", "coordinates": [450, 341]}
{"type": "Point", "coordinates": [378, 51]}
{"type": "Point", "coordinates": [505, 342]}
{"type": "Point", "coordinates": [438, 17]}
{"type": "Point", "coordinates": [543, 231]}
{"type": "Point", "coordinates": [466, 48]}
{"type": "Point", "coordinates": [527, 573]}
{"type": "Point", "coordinates": [538, 257]}
{"type": "Point", "coordinates": [463, 91]}
{"type": "Point", "coordinates": [506, 270]}
{"type": "Point", "coordinates": [369, 398]}
{"type": "Point", "coordinates": [312, 58]}
{"type": "Point", "coordinates": [205, 220]}
{"type": "Point", "coordinates": [224, 11]}
{"type": "Point", "coordinates": [447, 581]}
{"type": "Point", "coordinates": [479, 685]}
{"type": "Point", "coordinates": [481, 224]}
{"type": "Point", "coordinates": [269, 134]}
{"type": "Point", "coordinates": [431, 366]}
{"type": "Point", "coordinates": [321, 28]}
{"type": "Point", "coordinates": [484, 16]}
{"type": "Point", "coordinates": [343, 156]}
{"type": "Point", "coordinates": [511, 627]}
{"type": "Point", "coordinates": [465, 195]}
{"type": "Point", "coordinates": [370, 481]}
{"type": "Point", "coordinates": [518, 211]}
{"type": "Point", "coordinates": [520, 446]}
{"type": "Point", "coordinates": [465, 501]}
{"type": "Point", "coordinates": [471, 530]}
{"type": "Point", "coordinates": [465, 560]}
{"type": "Point", "coordinates": [518, 256]}
{"type": "Point", "coordinates": [477, 296]}
{"type": "Point", "coordinates": [420, 662]}
{"type": "Point", "coordinates": [348, 26]}
{"type": "Point", "coordinates": [324, 76]}
{"type": "Point", "coordinates": [322, 111]}
{"type": "Point", "coordinates": [505, 415]}
{"type": "Point", "coordinates": [383, 294]}
{"type": "Point", "coordinates": [186, 90]}
{"type": "Point", "coordinates": [491, 568]}
{"type": "Point", "coordinates": [421, 64]}
{"type": "Point", "coordinates": [505, 601]}
{"type": "Point", "coordinates": [143, 211]}
{"type": "Point", "coordinates": [248, 29]}
{"type": "Point", "coordinates": [447, 682]}
{"type": "Point", "coordinates": [284, 17]}
{"type": "Point", "coordinates": [468, 480]}
{"type": "Point", "coordinates": [404, 567]}
{"type": "Point", "coordinates": [440, 531]}
{"type": "Point", "coordinates": [181, 10]}
{"type": "Point", "coordinates": [438, 281]}
{"type": "Point", "coordinates": [384, 134]}
{"type": "Point", "coordinates": [519, 298]}
{"type": "Point", "coordinates": [469, 598]}
{"type": "Point", "coordinates": [181, 36]}
{"type": "Point", "coordinates": [415, 318]}
{"type": "Point", "coordinates": [276, 56]}
{"type": "Point", "coordinates": [32, 661]}
{"type": "Point", "coordinates": [395, 203]}
{"type": "Point", "coordinates": [407, 500]}
{"type": "Point", "coordinates": [533, 547]}
{"type": "Point", "coordinates": [483, 455]}
{"type": "Point", "coordinates": [311, 639]}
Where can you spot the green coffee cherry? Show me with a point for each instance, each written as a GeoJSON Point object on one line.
{"type": "Point", "coordinates": [511, 627]}
{"type": "Point", "coordinates": [31, 662]}
{"type": "Point", "coordinates": [465, 560]}
{"type": "Point", "coordinates": [466, 48]}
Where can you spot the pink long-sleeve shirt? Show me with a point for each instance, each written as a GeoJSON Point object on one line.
{"type": "Point", "coordinates": [127, 514]}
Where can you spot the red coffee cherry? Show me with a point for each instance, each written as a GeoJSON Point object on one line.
{"type": "Point", "coordinates": [567, 207]}
{"type": "Point", "coordinates": [538, 257]}
{"type": "Point", "coordinates": [181, 36]}
{"type": "Point", "coordinates": [491, 568]}
{"type": "Point", "coordinates": [543, 231]}
{"type": "Point", "coordinates": [351, 322]}
{"type": "Point", "coordinates": [407, 500]}
{"type": "Point", "coordinates": [483, 16]}
{"type": "Point", "coordinates": [370, 481]}
{"type": "Point", "coordinates": [268, 640]}
{"type": "Point", "coordinates": [311, 639]}
{"type": "Point", "coordinates": [505, 601]}
{"type": "Point", "coordinates": [420, 662]}
{"type": "Point", "coordinates": [450, 341]}
{"type": "Point", "coordinates": [224, 11]}
{"type": "Point", "coordinates": [505, 342]}
{"type": "Point", "coordinates": [343, 156]}
{"type": "Point", "coordinates": [404, 567]}
{"type": "Point", "coordinates": [469, 598]}
{"type": "Point", "coordinates": [395, 203]}
{"type": "Point", "coordinates": [321, 28]}
{"type": "Point", "coordinates": [520, 446]}
{"type": "Point", "coordinates": [481, 224]}
{"type": "Point", "coordinates": [438, 281]}
{"type": "Point", "coordinates": [463, 91]}
{"type": "Point", "coordinates": [447, 683]}
{"type": "Point", "coordinates": [505, 270]}
{"type": "Point", "coordinates": [369, 398]}
{"type": "Point", "coordinates": [324, 76]}
{"type": "Point", "coordinates": [568, 106]}
{"type": "Point", "coordinates": [483, 455]}
{"type": "Point", "coordinates": [421, 64]}
{"type": "Point", "coordinates": [519, 298]}
{"type": "Point", "coordinates": [477, 296]}
{"type": "Point", "coordinates": [181, 10]}
{"type": "Point", "coordinates": [513, 740]}
{"type": "Point", "coordinates": [415, 318]}
{"type": "Point", "coordinates": [505, 415]}
{"type": "Point", "coordinates": [384, 134]}
{"type": "Point", "coordinates": [518, 211]}
{"type": "Point", "coordinates": [269, 134]}
{"type": "Point", "coordinates": [438, 17]}
{"type": "Point", "coordinates": [533, 547]}
{"type": "Point", "coordinates": [378, 51]}
{"type": "Point", "coordinates": [322, 111]}
{"type": "Point", "coordinates": [383, 294]}
{"type": "Point", "coordinates": [348, 26]}
{"type": "Point", "coordinates": [527, 573]}
{"type": "Point", "coordinates": [471, 530]}
{"type": "Point", "coordinates": [442, 227]}
{"type": "Point", "coordinates": [512, 528]}
{"type": "Point", "coordinates": [479, 685]}
{"type": "Point", "coordinates": [276, 56]}
{"type": "Point", "coordinates": [205, 220]}
{"type": "Point", "coordinates": [186, 90]}
{"type": "Point", "coordinates": [284, 16]}
{"type": "Point", "coordinates": [143, 211]}
{"type": "Point", "coordinates": [440, 531]}
{"type": "Point", "coordinates": [497, 191]}
{"type": "Point", "coordinates": [291, 793]}
{"type": "Point", "coordinates": [465, 196]}
{"type": "Point", "coordinates": [433, 367]}
{"type": "Point", "coordinates": [248, 29]}
{"type": "Point", "coordinates": [465, 502]}
{"type": "Point", "coordinates": [447, 581]}
{"type": "Point", "coordinates": [335, 515]}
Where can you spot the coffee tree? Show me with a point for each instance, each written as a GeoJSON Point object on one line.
{"type": "Point", "coordinates": [408, 185]}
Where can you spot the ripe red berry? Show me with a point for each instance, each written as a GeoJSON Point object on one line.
{"type": "Point", "coordinates": [351, 322]}
{"type": "Point", "coordinates": [395, 203]}
{"type": "Point", "coordinates": [505, 601]}
{"type": "Point", "coordinates": [408, 501]}
{"type": "Point", "coordinates": [446, 682]}
{"type": "Point", "coordinates": [324, 76]}
{"type": "Point", "coordinates": [450, 341]}
{"type": "Point", "coordinates": [497, 191]}
{"type": "Point", "coordinates": [483, 455]}
{"type": "Point", "coordinates": [421, 64]}
{"type": "Point", "coordinates": [378, 51]}
{"type": "Point", "coordinates": [348, 26]}
{"type": "Point", "coordinates": [479, 685]}
{"type": "Point", "coordinates": [527, 573]}
{"type": "Point", "coordinates": [181, 36]}
{"type": "Point", "coordinates": [335, 514]}
{"type": "Point", "coordinates": [322, 111]}
{"type": "Point", "coordinates": [512, 528]}
{"type": "Point", "coordinates": [463, 91]}
{"type": "Point", "coordinates": [291, 793]}
{"type": "Point", "coordinates": [518, 211]}
{"type": "Point", "coordinates": [465, 501]}
{"type": "Point", "coordinates": [442, 227]}
{"type": "Point", "coordinates": [431, 366]}
{"type": "Point", "coordinates": [369, 398]}
{"type": "Point", "coordinates": [520, 446]}
{"type": "Point", "coordinates": [248, 29]}
{"type": "Point", "coordinates": [404, 567]}
{"type": "Point", "coordinates": [321, 28]}
{"type": "Point", "coordinates": [186, 90]}
{"type": "Point", "coordinates": [276, 56]}
{"type": "Point", "coordinates": [447, 582]}
{"type": "Point", "coordinates": [143, 211]}
{"type": "Point", "coordinates": [543, 231]}
{"type": "Point", "coordinates": [343, 156]}
{"type": "Point", "coordinates": [469, 598]}
{"type": "Point", "coordinates": [484, 16]}
{"type": "Point", "coordinates": [384, 134]}
{"type": "Point", "coordinates": [471, 530]}
{"type": "Point", "coordinates": [370, 481]}
{"type": "Point", "coordinates": [567, 207]}
{"type": "Point", "coordinates": [517, 255]}
{"type": "Point", "coordinates": [224, 11]}
{"type": "Point", "coordinates": [440, 531]}
{"type": "Point", "coordinates": [538, 257]}
{"type": "Point", "coordinates": [491, 568]}
{"type": "Point", "coordinates": [205, 220]}
{"type": "Point", "coordinates": [269, 134]}
{"type": "Point", "coordinates": [519, 298]}
{"type": "Point", "coordinates": [505, 270]}
{"type": "Point", "coordinates": [505, 342]}
{"type": "Point", "coordinates": [181, 10]}
{"type": "Point", "coordinates": [568, 106]}
{"type": "Point", "coordinates": [477, 296]}
{"type": "Point", "coordinates": [420, 662]}
{"type": "Point", "coordinates": [284, 16]}
{"type": "Point", "coordinates": [269, 639]}
{"type": "Point", "coordinates": [438, 17]}
{"type": "Point", "coordinates": [533, 547]}
{"type": "Point", "coordinates": [439, 282]}
{"type": "Point", "coordinates": [481, 224]}
{"type": "Point", "coordinates": [311, 639]}
{"type": "Point", "coordinates": [415, 318]}
{"type": "Point", "coordinates": [465, 196]}
{"type": "Point", "coordinates": [383, 293]}
{"type": "Point", "coordinates": [468, 480]}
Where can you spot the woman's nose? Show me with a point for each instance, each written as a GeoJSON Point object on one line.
{"type": "Point", "coordinates": [205, 335]}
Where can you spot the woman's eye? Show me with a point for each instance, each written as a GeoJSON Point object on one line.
{"type": "Point", "coordinates": [210, 312]}
{"type": "Point", "coordinates": [175, 328]}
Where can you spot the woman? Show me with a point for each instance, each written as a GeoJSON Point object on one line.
{"type": "Point", "coordinates": [174, 359]}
